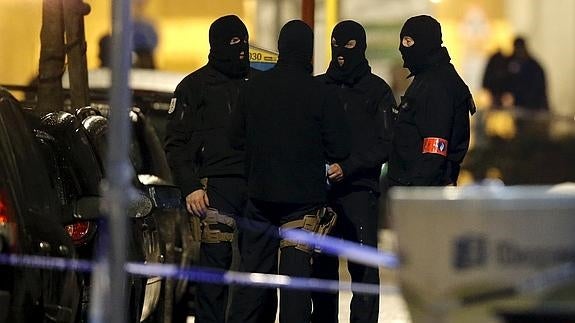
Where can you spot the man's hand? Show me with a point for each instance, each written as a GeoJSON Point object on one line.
{"type": "Point", "coordinates": [197, 203]}
{"type": "Point", "coordinates": [335, 173]}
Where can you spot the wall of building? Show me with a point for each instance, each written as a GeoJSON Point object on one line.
{"type": "Point", "coordinates": [19, 40]}
{"type": "Point", "coordinates": [182, 26]}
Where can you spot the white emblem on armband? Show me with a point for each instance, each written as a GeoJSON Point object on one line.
{"type": "Point", "coordinates": [172, 105]}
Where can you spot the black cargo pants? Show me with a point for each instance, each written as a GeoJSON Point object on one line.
{"type": "Point", "coordinates": [260, 245]}
{"type": "Point", "coordinates": [227, 195]}
{"type": "Point", "coordinates": [357, 211]}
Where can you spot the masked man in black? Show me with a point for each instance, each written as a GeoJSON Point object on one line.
{"type": "Point", "coordinates": [209, 172]}
{"type": "Point", "coordinates": [367, 101]}
{"type": "Point", "coordinates": [431, 134]}
{"type": "Point", "coordinates": [289, 129]}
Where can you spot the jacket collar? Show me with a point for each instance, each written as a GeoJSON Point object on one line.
{"type": "Point", "coordinates": [435, 58]}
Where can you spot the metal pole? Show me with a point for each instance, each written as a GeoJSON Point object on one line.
{"type": "Point", "coordinates": [119, 168]}
{"type": "Point", "coordinates": [331, 19]}
{"type": "Point", "coordinates": [308, 12]}
{"type": "Point", "coordinates": [52, 57]}
{"type": "Point", "coordinates": [74, 12]}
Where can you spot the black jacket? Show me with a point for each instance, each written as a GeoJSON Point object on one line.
{"type": "Point", "coordinates": [196, 133]}
{"type": "Point", "coordinates": [368, 106]}
{"type": "Point", "coordinates": [527, 83]}
{"type": "Point", "coordinates": [287, 124]}
{"type": "Point", "coordinates": [436, 105]}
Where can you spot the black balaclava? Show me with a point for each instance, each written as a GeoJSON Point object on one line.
{"type": "Point", "coordinates": [355, 64]}
{"type": "Point", "coordinates": [426, 33]}
{"type": "Point", "coordinates": [295, 45]}
{"type": "Point", "coordinates": [226, 57]}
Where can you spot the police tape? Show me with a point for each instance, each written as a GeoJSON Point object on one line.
{"type": "Point", "coordinates": [199, 274]}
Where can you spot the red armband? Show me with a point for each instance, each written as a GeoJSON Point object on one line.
{"type": "Point", "coordinates": [432, 145]}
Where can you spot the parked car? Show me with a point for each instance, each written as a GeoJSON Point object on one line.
{"type": "Point", "coordinates": [30, 224]}
{"type": "Point", "coordinates": [73, 147]}
{"type": "Point", "coordinates": [76, 173]}
{"type": "Point", "coordinates": [178, 230]}
{"type": "Point", "coordinates": [179, 241]}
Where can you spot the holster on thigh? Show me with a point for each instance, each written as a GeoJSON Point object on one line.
{"type": "Point", "coordinates": [210, 231]}
{"type": "Point", "coordinates": [320, 222]}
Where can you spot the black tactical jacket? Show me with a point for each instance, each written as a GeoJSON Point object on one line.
{"type": "Point", "coordinates": [368, 106]}
{"type": "Point", "coordinates": [196, 142]}
{"type": "Point", "coordinates": [287, 124]}
{"type": "Point", "coordinates": [434, 110]}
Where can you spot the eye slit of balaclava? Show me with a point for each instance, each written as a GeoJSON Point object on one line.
{"type": "Point", "coordinates": [225, 56]}
{"type": "Point", "coordinates": [350, 44]}
{"type": "Point", "coordinates": [407, 41]}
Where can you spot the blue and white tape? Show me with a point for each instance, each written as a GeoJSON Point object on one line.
{"type": "Point", "coordinates": [353, 251]}
{"type": "Point", "coordinates": [199, 274]}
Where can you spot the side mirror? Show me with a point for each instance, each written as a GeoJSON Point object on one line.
{"type": "Point", "coordinates": [140, 206]}
{"type": "Point", "coordinates": [88, 207]}
{"type": "Point", "coordinates": [165, 196]}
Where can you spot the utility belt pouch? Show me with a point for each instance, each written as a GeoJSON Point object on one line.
{"type": "Point", "coordinates": [204, 182]}
{"type": "Point", "coordinates": [321, 222]}
{"type": "Point", "coordinates": [327, 220]}
{"type": "Point", "coordinates": [195, 228]}
{"type": "Point", "coordinates": [210, 232]}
